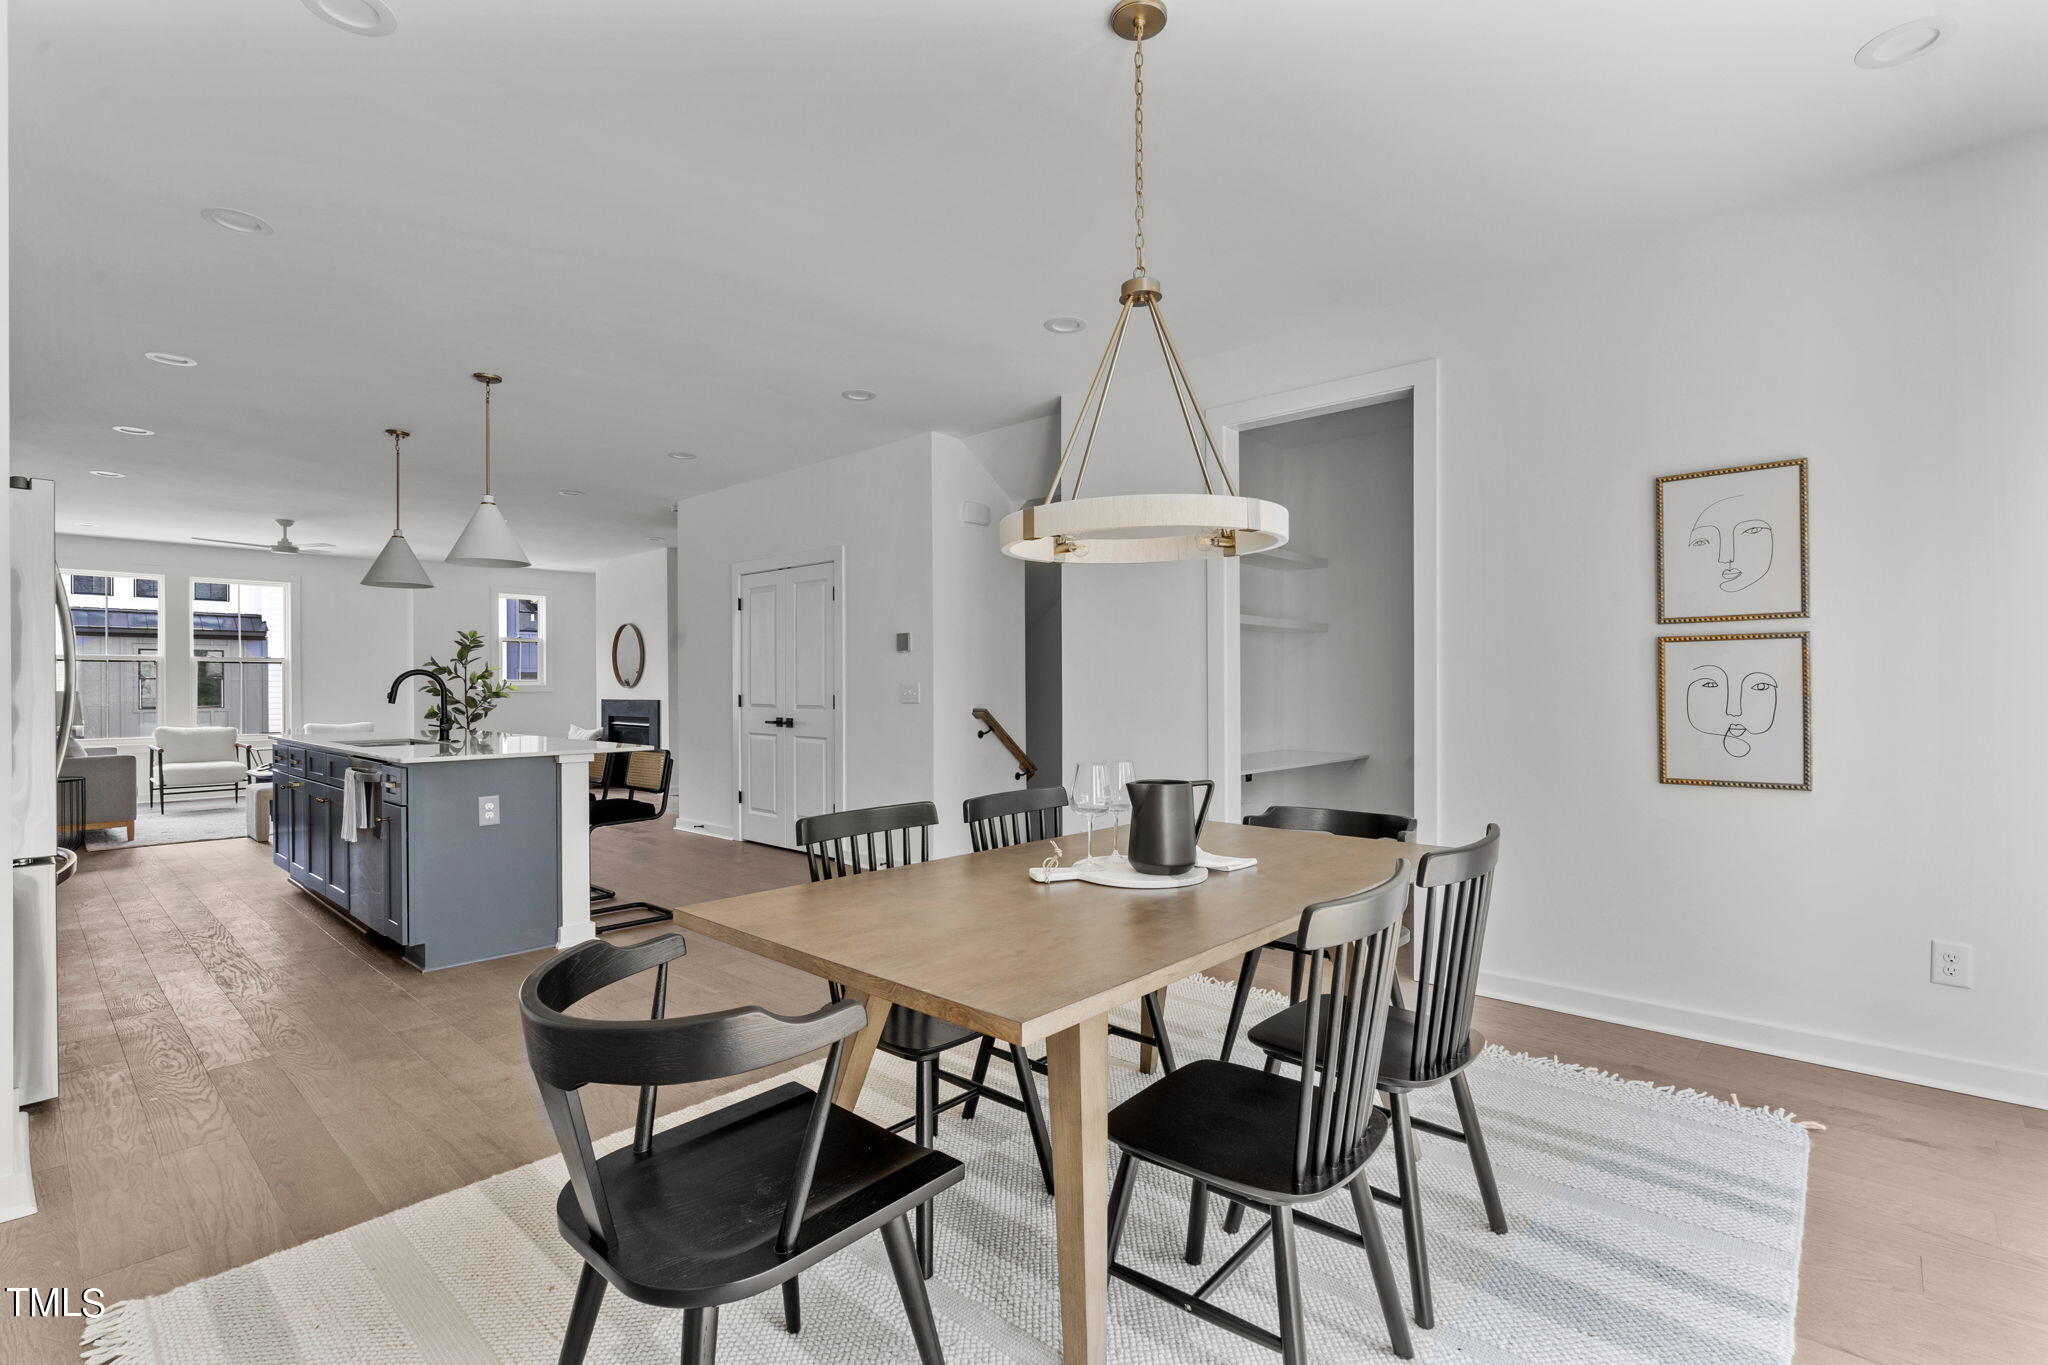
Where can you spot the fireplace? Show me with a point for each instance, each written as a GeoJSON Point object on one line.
{"type": "Point", "coordinates": [631, 722]}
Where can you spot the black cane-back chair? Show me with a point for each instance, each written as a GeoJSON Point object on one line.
{"type": "Point", "coordinates": [619, 784]}
{"type": "Point", "coordinates": [732, 1204]}
{"type": "Point", "coordinates": [1272, 1142]}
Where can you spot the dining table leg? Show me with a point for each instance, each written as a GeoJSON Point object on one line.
{"type": "Point", "coordinates": [860, 1051]}
{"type": "Point", "coordinates": [1078, 1064]}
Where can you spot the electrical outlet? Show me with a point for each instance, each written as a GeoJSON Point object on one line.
{"type": "Point", "coordinates": [487, 810]}
{"type": "Point", "coordinates": [1949, 964]}
{"type": "Point", "coordinates": [907, 694]}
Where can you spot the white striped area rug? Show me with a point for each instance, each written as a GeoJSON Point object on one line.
{"type": "Point", "coordinates": [1645, 1226]}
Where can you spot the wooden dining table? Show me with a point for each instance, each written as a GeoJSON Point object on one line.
{"type": "Point", "coordinates": [973, 940]}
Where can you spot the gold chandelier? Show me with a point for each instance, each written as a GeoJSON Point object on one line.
{"type": "Point", "coordinates": [1140, 528]}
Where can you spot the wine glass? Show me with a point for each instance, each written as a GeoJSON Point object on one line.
{"type": "Point", "coordinates": [1090, 795]}
{"type": "Point", "coordinates": [1120, 775]}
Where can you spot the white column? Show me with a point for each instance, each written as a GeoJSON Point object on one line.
{"type": "Point", "coordinates": [574, 823]}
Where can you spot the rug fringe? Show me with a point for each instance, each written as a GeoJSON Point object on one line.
{"type": "Point", "coordinates": [113, 1336]}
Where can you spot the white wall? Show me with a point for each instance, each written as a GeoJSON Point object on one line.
{"type": "Point", "coordinates": [1345, 479]}
{"type": "Point", "coordinates": [349, 641]}
{"type": "Point", "coordinates": [636, 589]}
{"type": "Point", "coordinates": [977, 640]}
{"type": "Point", "coordinates": [1895, 332]}
{"type": "Point", "coordinates": [875, 503]}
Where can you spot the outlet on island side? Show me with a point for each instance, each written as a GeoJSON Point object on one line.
{"type": "Point", "coordinates": [487, 810]}
{"type": "Point", "coordinates": [1949, 964]}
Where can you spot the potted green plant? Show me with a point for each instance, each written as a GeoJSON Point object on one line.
{"type": "Point", "coordinates": [475, 686]}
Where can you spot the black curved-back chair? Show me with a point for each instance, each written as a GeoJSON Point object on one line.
{"type": "Point", "coordinates": [1431, 1044]}
{"type": "Point", "coordinates": [1356, 824]}
{"type": "Point", "coordinates": [1024, 816]}
{"type": "Point", "coordinates": [643, 772]}
{"type": "Point", "coordinates": [845, 844]}
{"type": "Point", "coordinates": [1271, 1142]}
{"type": "Point", "coordinates": [734, 1203]}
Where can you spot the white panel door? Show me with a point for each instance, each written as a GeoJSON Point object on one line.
{"type": "Point", "coordinates": [788, 709]}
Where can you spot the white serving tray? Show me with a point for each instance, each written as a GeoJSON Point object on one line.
{"type": "Point", "coordinates": [1113, 869]}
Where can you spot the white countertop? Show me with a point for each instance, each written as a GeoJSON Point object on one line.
{"type": "Point", "coordinates": [487, 745]}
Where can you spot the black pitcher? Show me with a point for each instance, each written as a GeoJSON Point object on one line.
{"type": "Point", "coordinates": [1165, 824]}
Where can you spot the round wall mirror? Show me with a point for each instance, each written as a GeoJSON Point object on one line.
{"type": "Point", "coordinates": [629, 655]}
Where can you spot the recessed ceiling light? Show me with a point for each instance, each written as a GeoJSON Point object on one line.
{"type": "Point", "coordinates": [86, 525]}
{"type": "Point", "coordinates": [1064, 325]}
{"type": "Point", "coordinates": [569, 492]}
{"type": "Point", "coordinates": [135, 431]}
{"type": "Point", "coordinates": [107, 474]}
{"type": "Point", "coordinates": [681, 455]}
{"type": "Point", "coordinates": [166, 358]}
{"type": "Point", "coordinates": [1897, 46]}
{"type": "Point", "coordinates": [858, 395]}
{"type": "Point", "coordinates": [364, 18]}
{"type": "Point", "coordinates": [234, 220]}
{"type": "Point", "coordinates": [659, 540]}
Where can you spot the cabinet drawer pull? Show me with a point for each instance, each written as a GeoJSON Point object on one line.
{"type": "Point", "coordinates": [320, 800]}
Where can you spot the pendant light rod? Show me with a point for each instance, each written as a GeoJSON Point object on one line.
{"type": "Point", "coordinates": [487, 380]}
{"type": "Point", "coordinates": [397, 476]}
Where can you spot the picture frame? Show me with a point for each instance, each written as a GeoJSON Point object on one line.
{"type": "Point", "coordinates": [1721, 544]}
{"type": "Point", "coordinates": [1723, 716]}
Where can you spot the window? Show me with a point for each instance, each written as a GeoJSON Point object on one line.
{"type": "Point", "coordinates": [523, 638]}
{"type": "Point", "coordinates": [239, 653]}
{"type": "Point", "coordinates": [115, 623]}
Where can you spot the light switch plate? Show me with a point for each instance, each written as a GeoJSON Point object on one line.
{"type": "Point", "coordinates": [487, 810]}
{"type": "Point", "coordinates": [907, 694]}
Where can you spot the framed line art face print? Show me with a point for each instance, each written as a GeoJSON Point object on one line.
{"type": "Point", "coordinates": [1731, 543]}
{"type": "Point", "coordinates": [1735, 711]}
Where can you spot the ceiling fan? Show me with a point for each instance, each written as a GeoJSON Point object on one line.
{"type": "Point", "coordinates": [284, 544]}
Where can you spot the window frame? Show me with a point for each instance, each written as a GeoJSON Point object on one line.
{"type": "Point", "coordinates": [83, 656]}
{"type": "Point", "coordinates": [542, 682]}
{"type": "Point", "coordinates": [283, 637]}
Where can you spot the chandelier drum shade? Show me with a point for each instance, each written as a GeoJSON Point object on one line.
{"type": "Point", "coordinates": [396, 566]}
{"type": "Point", "coordinates": [487, 542]}
{"type": "Point", "coordinates": [1140, 528]}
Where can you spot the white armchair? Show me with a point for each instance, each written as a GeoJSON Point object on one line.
{"type": "Point", "coordinates": [186, 758]}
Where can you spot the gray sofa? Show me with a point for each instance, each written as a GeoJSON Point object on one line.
{"type": "Point", "coordinates": [109, 787]}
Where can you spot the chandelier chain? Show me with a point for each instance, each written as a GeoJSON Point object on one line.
{"type": "Point", "coordinates": [1138, 140]}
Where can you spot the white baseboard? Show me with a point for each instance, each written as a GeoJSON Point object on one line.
{"type": "Point", "coordinates": [2015, 1085]}
{"type": "Point", "coordinates": [17, 1185]}
{"type": "Point", "coordinates": [716, 831]}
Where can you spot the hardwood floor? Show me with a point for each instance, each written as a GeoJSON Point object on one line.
{"type": "Point", "coordinates": [242, 1072]}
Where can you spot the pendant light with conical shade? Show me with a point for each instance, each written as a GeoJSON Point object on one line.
{"type": "Point", "coordinates": [396, 566]}
{"type": "Point", "coordinates": [487, 541]}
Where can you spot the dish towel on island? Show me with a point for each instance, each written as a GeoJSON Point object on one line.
{"type": "Point", "coordinates": [355, 803]}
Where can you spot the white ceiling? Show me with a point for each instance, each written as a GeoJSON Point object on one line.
{"type": "Point", "coordinates": [688, 226]}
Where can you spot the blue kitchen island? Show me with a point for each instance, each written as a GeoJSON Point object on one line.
{"type": "Point", "coordinates": [462, 851]}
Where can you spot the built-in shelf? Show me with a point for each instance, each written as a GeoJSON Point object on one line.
{"type": "Point", "coordinates": [1282, 623]}
{"type": "Point", "coordinates": [1286, 760]}
{"type": "Point", "coordinates": [1284, 558]}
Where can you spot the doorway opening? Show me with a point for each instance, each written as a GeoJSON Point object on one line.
{"type": "Point", "coordinates": [788, 753]}
{"type": "Point", "coordinates": [1323, 653]}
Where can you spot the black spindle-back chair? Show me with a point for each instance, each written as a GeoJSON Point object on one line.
{"type": "Point", "coordinates": [1021, 815]}
{"type": "Point", "coordinates": [733, 1203]}
{"type": "Point", "coordinates": [851, 842]}
{"type": "Point", "coordinates": [1353, 824]}
{"type": "Point", "coordinates": [1272, 1142]}
{"type": "Point", "coordinates": [1433, 1043]}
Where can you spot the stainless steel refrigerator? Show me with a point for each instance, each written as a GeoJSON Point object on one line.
{"type": "Point", "coordinates": [42, 701]}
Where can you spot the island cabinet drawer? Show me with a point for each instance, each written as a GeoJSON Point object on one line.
{"type": "Point", "coordinates": [288, 757]}
{"type": "Point", "coordinates": [391, 784]}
